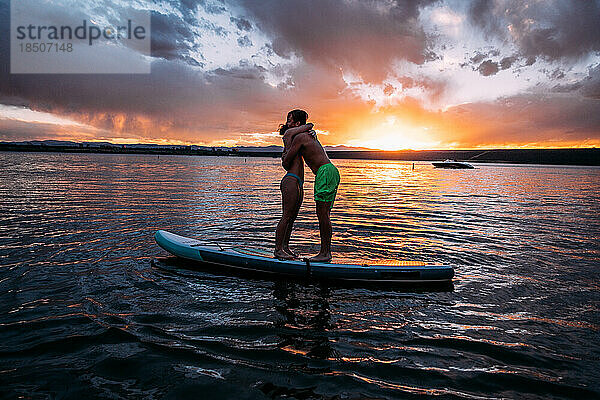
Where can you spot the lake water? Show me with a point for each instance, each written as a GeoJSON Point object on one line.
{"type": "Point", "coordinates": [84, 312]}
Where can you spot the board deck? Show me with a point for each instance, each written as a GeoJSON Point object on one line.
{"type": "Point", "coordinates": [253, 252]}
{"type": "Point", "coordinates": [261, 260]}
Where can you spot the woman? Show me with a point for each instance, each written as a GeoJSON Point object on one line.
{"type": "Point", "coordinates": [291, 184]}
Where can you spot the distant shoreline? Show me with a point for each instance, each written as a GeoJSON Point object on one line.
{"type": "Point", "coordinates": [583, 157]}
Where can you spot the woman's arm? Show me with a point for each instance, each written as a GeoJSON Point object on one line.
{"type": "Point", "coordinates": [297, 129]}
{"type": "Point", "coordinates": [291, 132]}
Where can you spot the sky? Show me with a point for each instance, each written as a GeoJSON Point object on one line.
{"type": "Point", "coordinates": [385, 74]}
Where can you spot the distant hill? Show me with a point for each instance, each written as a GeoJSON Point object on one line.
{"type": "Point", "coordinates": [251, 149]}
{"type": "Point", "coordinates": [590, 156]}
{"type": "Point", "coordinates": [347, 148]}
{"type": "Point", "coordinates": [280, 148]}
{"type": "Point", "coordinates": [44, 143]}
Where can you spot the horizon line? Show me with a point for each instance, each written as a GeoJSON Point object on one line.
{"type": "Point", "coordinates": [266, 146]}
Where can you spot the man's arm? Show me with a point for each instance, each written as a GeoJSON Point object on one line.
{"type": "Point", "coordinates": [288, 156]}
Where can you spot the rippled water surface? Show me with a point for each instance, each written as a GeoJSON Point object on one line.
{"type": "Point", "coordinates": [84, 312]}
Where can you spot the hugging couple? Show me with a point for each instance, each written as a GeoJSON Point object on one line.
{"type": "Point", "coordinates": [300, 144]}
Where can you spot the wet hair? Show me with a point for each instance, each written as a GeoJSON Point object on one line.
{"type": "Point", "coordinates": [297, 116]}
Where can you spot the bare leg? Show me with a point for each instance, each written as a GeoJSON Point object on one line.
{"type": "Point", "coordinates": [289, 195]}
{"type": "Point", "coordinates": [288, 232]}
{"type": "Point", "coordinates": [323, 214]}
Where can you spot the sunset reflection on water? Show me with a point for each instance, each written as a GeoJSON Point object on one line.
{"type": "Point", "coordinates": [77, 244]}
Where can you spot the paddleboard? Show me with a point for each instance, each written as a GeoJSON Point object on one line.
{"type": "Point", "coordinates": [249, 259]}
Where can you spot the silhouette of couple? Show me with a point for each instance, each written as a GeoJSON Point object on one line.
{"type": "Point", "coordinates": [300, 144]}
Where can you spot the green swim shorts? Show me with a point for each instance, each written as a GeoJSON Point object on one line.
{"type": "Point", "coordinates": [326, 183]}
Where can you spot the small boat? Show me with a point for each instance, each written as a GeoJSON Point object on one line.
{"type": "Point", "coordinates": [452, 164]}
{"type": "Point", "coordinates": [262, 261]}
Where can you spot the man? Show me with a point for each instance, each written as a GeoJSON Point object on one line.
{"type": "Point", "coordinates": [327, 180]}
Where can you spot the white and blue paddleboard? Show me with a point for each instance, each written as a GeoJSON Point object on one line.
{"type": "Point", "coordinates": [248, 259]}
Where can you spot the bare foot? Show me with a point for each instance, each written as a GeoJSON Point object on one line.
{"type": "Point", "coordinates": [287, 250]}
{"type": "Point", "coordinates": [282, 255]}
{"type": "Point", "coordinates": [321, 257]}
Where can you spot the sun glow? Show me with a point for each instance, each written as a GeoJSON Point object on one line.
{"type": "Point", "coordinates": [394, 134]}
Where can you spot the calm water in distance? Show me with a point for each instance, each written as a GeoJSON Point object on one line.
{"type": "Point", "coordinates": [85, 313]}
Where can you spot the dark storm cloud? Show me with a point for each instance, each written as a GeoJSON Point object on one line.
{"type": "Point", "coordinates": [173, 88]}
{"type": "Point", "coordinates": [530, 60]}
{"type": "Point", "coordinates": [591, 85]}
{"type": "Point", "coordinates": [482, 13]}
{"type": "Point", "coordinates": [174, 93]}
{"type": "Point", "coordinates": [175, 96]}
{"type": "Point", "coordinates": [69, 91]}
{"type": "Point", "coordinates": [588, 87]}
{"type": "Point", "coordinates": [364, 36]}
{"type": "Point", "coordinates": [488, 68]}
{"type": "Point", "coordinates": [213, 8]}
{"type": "Point", "coordinates": [244, 41]}
{"type": "Point", "coordinates": [556, 74]}
{"type": "Point", "coordinates": [477, 58]}
{"type": "Point", "coordinates": [170, 37]}
{"type": "Point", "coordinates": [173, 38]}
{"type": "Point", "coordinates": [553, 30]}
{"type": "Point", "coordinates": [241, 23]}
{"type": "Point", "coordinates": [360, 35]}
{"type": "Point", "coordinates": [567, 88]}
{"type": "Point", "coordinates": [507, 62]}
{"type": "Point", "coordinates": [190, 6]}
